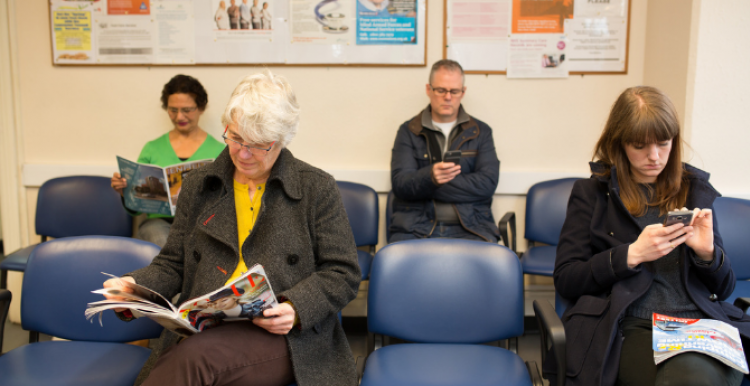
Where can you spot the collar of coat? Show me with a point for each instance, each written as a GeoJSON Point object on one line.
{"type": "Point", "coordinates": [423, 120]}
{"type": "Point", "coordinates": [691, 173]}
{"type": "Point", "coordinates": [220, 174]}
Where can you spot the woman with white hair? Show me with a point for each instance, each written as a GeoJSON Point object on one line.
{"type": "Point", "coordinates": [257, 204]}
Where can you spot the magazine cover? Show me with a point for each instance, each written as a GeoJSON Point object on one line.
{"type": "Point", "coordinates": [673, 336]}
{"type": "Point", "coordinates": [153, 189]}
{"type": "Point", "coordinates": [244, 298]}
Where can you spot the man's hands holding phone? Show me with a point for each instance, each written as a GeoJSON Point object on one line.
{"type": "Point", "coordinates": [657, 240]}
{"type": "Point", "coordinates": [444, 172]}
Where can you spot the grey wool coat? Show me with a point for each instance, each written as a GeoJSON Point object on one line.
{"type": "Point", "coordinates": [301, 237]}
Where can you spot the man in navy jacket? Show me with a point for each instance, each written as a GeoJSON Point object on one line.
{"type": "Point", "coordinates": [434, 198]}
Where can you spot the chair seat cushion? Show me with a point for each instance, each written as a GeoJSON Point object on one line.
{"type": "Point", "coordinates": [17, 260]}
{"type": "Point", "coordinates": [741, 290]}
{"type": "Point", "coordinates": [365, 262]}
{"type": "Point", "coordinates": [539, 260]}
{"type": "Point", "coordinates": [72, 363]}
{"type": "Point", "coordinates": [415, 364]}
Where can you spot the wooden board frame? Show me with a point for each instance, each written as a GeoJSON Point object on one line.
{"type": "Point", "coordinates": [424, 55]}
{"type": "Point", "coordinates": [627, 49]}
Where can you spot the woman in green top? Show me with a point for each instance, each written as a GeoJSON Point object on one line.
{"type": "Point", "coordinates": [185, 99]}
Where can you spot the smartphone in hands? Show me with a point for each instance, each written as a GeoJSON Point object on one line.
{"type": "Point", "coordinates": [452, 156]}
{"type": "Point", "coordinates": [676, 216]}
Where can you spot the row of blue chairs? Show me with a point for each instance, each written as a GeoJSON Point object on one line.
{"type": "Point", "coordinates": [87, 205]}
{"type": "Point", "coordinates": [445, 297]}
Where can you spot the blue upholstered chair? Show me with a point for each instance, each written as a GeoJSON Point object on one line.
{"type": "Point", "coordinates": [446, 297]}
{"type": "Point", "coordinates": [388, 214]}
{"type": "Point", "coordinates": [361, 203]}
{"type": "Point", "coordinates": [546, 206]}
{"type": "Point", "coordinates": [73, 206]}
{"type": "Point", "coordinates": [733, 217]}
{"type": "Point", "coordinates": [57, 286]}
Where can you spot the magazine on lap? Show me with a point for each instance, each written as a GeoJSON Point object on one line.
{"type": "Point", "coordinates": [243, 299]}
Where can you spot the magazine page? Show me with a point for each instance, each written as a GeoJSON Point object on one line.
{"type": "Point", "coordinates": [147, 189]}
{"type": "Point", "coordinates": [673, 336]}
{"type": "Point", "coordinates": [245, 298]}
{"type": "Point", "coordinates": [176, 174]}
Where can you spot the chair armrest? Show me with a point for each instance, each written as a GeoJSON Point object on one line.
{"type": "Point", "coordinates": [534, 373]}
{"type": "Point", "coordinates": [742, 303]}
{"type": "Point", "coordinates": [552, 337]}
{"type": "Point", "coordinates": [509, 219]}
{"type": "Point", "coordinates": [5, 298]}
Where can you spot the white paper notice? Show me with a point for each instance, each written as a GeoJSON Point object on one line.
{"type": "Point", "coordinates": [600, 8]}
{"type": "Point", "coordinates": [478, 20]}
{"type": "Point", "coordinates": [241, 19]}
{"type": "Point", "coordinates": [537, 56]}
{"type": "Point", "coordinates": [174, 40]}
{"type": "Point", "coordinates": [322, 22]}
{"type": "Point", "coordinates": [597, 44]}
{"type": "Point", "coordinates": [125, 39]}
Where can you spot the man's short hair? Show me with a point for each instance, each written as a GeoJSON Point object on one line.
{"type": "Point", "coordinates": [450, 65]}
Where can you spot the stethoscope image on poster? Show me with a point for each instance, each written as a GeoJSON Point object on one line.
{"type": "Point", "coordinates": [332, 21]}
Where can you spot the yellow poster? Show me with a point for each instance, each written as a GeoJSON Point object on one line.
{"type": "Point", "coordinates": [72, 30]}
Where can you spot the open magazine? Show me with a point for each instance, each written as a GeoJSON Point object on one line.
{"type": "Point", "coordinates": [153, 189]}
{"type": "Point", "coordinates": [673, 336]}
{"type": "Point", "coordinates": [244, 298]}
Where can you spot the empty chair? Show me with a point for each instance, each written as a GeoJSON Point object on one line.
{"type": "Point", "coordinates": [73, 206]}
{"type": "Point", "coordinates": [446, 297]}
{"type": "Point", "coordinates": [361, 204]}
{"type": "Point", "coordinates": [733, 217]}
{"type": "Point", "coordinates": [546, 205]}
{"type": "Point", "coordinates": [57, 286]}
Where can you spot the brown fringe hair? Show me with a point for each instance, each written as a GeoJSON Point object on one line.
{"type": "Point", "coordinates": [644, 115]}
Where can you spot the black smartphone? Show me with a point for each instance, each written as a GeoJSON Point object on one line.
{"type": "Point", "coordinates": [675, 216]}
{"type": "Point", "coordinates": [452, 156]}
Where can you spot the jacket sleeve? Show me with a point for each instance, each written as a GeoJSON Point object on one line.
{"type": "Point", "coordinates": [579, 269]}
{"type": "Point", "coordinates": [478, 184]}
{"type": "Point", "coordinates": [336, 279]}
{"type": "Point", "coordinates": [165, 273]}
{"type": "Point", "coordinates": [718, 276]}
{"type": "Point", "coordinates": [409, 181]}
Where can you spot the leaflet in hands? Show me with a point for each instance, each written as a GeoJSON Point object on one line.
{"type": "Point", "coordinates": [673, 336]}
{"type": "Point", "coordinates": [244, 298]}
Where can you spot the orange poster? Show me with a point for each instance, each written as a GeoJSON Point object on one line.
{"type": "Point", "coordinates": [541, 16]}
{"type": "Point", "coordinates": [128, 7]}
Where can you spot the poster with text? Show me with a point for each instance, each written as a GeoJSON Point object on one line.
{"type": "Point", "coordinates": [601, 8]}
{"type": "Point", "coordinates": [597, 44]}
{"type": "Point", "coordinates": [541, 16]}
{"type": "Point", "coordinates": [72, 31]}
{"type": "Point", "coordinates": [242, 19]}
{"type": "Point", "coordinates": [386, 22]}
{"type": "Point", "coordinates": [174, 41]}
{"type": "Point", "coordinates": [477, 33]}
{"type": "Point", "coordinates": [537, 56]}
{"type": "Point", "coordinates": [322, 22]}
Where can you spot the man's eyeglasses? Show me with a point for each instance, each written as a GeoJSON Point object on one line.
{"type": "Point", "coordinates": [258, 152]}
{"type": "Point", "coordinates": [442, 91]}
{"type": "Point", "coordinates": [185, 110]}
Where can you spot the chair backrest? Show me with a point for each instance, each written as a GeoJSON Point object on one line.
{"type": "Point", "coordinates": [388, 214]}
{"type": "Point", "coordinates": [446, 291]}
{"type": "Point", "coordinates": [733, 217]}
{"type": "Point", "coordinates": [361, 203]}
{"type": "Point", "coordinates": [60, 276]}
{"type": "Point", "coordinates": [81, 206]}
{"type": "Point", "coordinates": [546, 206]}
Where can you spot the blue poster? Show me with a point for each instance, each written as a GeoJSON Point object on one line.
{"type": "Point", "coordinates": [386, 22]}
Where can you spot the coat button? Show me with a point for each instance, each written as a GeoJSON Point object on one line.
{"type": "Point", "coordinates": [612, 234]}
{"type": "Point", "coordinates": [197, 255]}
{"type": "Point", "coordinates": [292, 259]}
{"type": "Point", "coordinates": [713, 298]}
{"type": "Point", "coordinates": [425, 156]}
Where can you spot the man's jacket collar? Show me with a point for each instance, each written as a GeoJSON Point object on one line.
{"type": "Point", "coordinates": [424, 120]}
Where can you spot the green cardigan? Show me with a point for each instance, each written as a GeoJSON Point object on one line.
{"type": "Point", "coordinates": [159, 152]}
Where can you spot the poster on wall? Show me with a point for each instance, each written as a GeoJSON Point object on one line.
{"type": "Point", "coordinates": [386, 22]}
{"type": "Point", "coordinates": [165, 32]}
{"type": "Point", "coordinates": [537, 56]}
{"type": "Point", "coordinates": [595, 33]}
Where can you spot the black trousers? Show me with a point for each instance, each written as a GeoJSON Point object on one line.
{"type": "Point", "coordinates": [637, 366]}
{"type": "Point", "coordinates": [235, 353]}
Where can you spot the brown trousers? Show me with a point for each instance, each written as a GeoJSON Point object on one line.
{"type": "Point", "coordinates": [235, 353]}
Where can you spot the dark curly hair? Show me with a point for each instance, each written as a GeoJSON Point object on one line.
{"type": "Point", "coordinates": [185, 84]}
